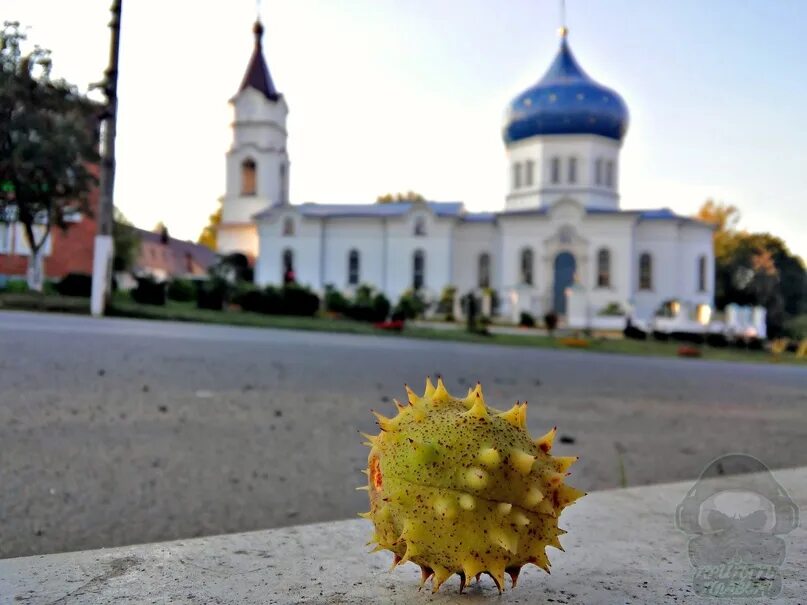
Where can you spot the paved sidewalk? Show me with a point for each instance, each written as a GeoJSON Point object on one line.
{"type": "Point", "coordinates": [622, 547]}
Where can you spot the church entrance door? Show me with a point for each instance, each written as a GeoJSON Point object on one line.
{"type": "Point", "coordinates": [565, 266]}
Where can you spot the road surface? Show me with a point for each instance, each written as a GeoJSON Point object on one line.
{"type": "Point", "coordinates": [115, 431]}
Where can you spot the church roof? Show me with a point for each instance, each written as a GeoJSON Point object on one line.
{"type": "Point", "coordinates": [450, 210]}
{"type": "Point", "coordinates": [257, 75]}
{"type": "Point", "coordinates": [390, 209]}
{"type": "Point", "coordinates": [566, 100]}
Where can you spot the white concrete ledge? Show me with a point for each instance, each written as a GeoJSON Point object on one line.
{"type": "Point", "coordinates": [622, 547]}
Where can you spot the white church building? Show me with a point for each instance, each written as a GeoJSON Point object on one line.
{"type": "Point", "coordinates": [561, 233]}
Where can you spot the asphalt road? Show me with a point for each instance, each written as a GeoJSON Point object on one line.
{"type": "Point", "coordinates": [115, 432]}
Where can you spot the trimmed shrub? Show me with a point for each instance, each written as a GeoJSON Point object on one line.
{"type": "Point", "coordinates": [612, 309]}
{"type": "Point", "coordinates": [335, 301]}
{"type": "Point", "coordinates": [298, 300]}
{"type": "Point", "coordinates": [16, 286]}
{"type": "Point", "coordinates": [368, 306]}
{"type": "Point", "coordinates": [409, 306]}
{"type": "Point", "coordinates": [551, 321]}
{"type": "Point", "coordinates": [213, 293]}
{"type": "Point", "coordinates": [181, 290]}
{"type": "Point", "coordinates": [75, 284]}
{"type": "Point", "coordinates": [717, 339]}
{"type": "Point", "coordinates": [526, 320]}
{"type": "Point", "coordinates": [149, 292]}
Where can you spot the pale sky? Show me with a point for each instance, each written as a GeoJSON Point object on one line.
{"type": "Point", "coordinates": [391, 95]}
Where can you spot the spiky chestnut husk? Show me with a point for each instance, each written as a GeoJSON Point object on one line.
{"type": "Point", "coordinates": [458, 487]}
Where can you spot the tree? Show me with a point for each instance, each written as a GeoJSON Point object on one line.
{"type": "Point", "coordinates": [208, 235]}
{"type": "Point", "coordinates": [127, 243]}
{"type": "Point", "coordinates": [48, 146]}
{"type": "Point", "coordinates": [409, 196]}
{"type": "Point", "coordinates": [755, 268]}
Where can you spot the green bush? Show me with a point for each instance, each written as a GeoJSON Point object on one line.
{"type": "Point", "coordinates": [612, 309]}
{"type": "Point", "coordinates": [446, 302]}
{"type": "Point", "coordinates": [368, 305]}
{"type": "Point", "coordinates": [213, 293]}
{"type": "Point", "coordinates": [75, 284]}
{"type": "Point", "coordinates": [551, 321]}
{"type": "Point", "coordinates": [298, 300]}
{"type": "Point", "coordinates": [335, 301]}
{"type": "Point", "coordinates": [526, 320]}
{"type": "Point", "coordinates": [410, 306]}
{"type": "Point", "coordinates": [16, 286]}
{"type": "Point", "coordinates": [149, 291]}
{"type": "Point", "coordinates": [181, 290]}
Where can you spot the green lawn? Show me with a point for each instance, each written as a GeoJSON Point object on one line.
{"type": "Point", "coordinates": [123, 306]}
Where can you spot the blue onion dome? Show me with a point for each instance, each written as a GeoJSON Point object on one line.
{"type": "Point", "coordinates": [566, 101]}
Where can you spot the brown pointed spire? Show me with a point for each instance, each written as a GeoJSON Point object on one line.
{"type": "Point", "coordinates": [257, 75]}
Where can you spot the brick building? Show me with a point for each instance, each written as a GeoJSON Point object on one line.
{"type": "Point", "coordinates": [65, 251]}
{"type": "Point", "coordinates": [164, 257]}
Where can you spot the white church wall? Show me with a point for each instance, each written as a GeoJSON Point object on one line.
{"type": "Point", "coordinates": [696, 241]}
{"type": "Point", "coordinates": [257, 120]}
{"type": "Point", "coordinates": [402, 244]}
{"type": "Point", "coordinates": [471, 240]}
{"type": "Point", "coordinates": [613, 233]}
{"type": "Point", "coordinates": [586, 149]}
{"type": "Point", "coordinates": [659, 238]}
{"type": "Point", "coordinates": [675, 248]}
{"type": "Point", "coordinates": [366, 236]}
{"type": "Point", "coordinates": [304, 245]}
{"type": "Point", "coordinates": [238, 238]}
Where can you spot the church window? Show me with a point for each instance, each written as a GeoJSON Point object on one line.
{"type": "Point", "coordinates": [248, 181]}
{"type": "Point", "coordinates": [420, 226]}
{"type": "Point", "coordinates": [418, 269]}
{"type": "Point", "coordinates": [526, 266]}
{"type": "Point", "coordinates": [484, 270]}
{"type": "Point", "coordinates": [284, 196]}
{"type": "Point", "coordinates": [353, 267]}
{"type": "Point", "coordinates": [702, 273]}
{"type": "Point", "coordinates": [609, 173]}
{"type": "Point", "coordinates": [288, 227]}
{"type": "Point", "coordinates": [598, 171]}
{"type": "Point", "coordinates": [289, 276]}
{"type": "Point", "coordinates": [604, 268]}
{"type": "Point", "coordinates": [645, 271]}
{"type": "Point", "coordinates": [554, 170]}
{"type": "Point", "coordinates": [529, 173]}
{"type": "Point", "coordinates": [572, 170]}
{"type": "Point", "coordinates": [516, 175]}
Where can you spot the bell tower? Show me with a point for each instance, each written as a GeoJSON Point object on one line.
{"type": "Point", "coordinates": [257, 161]}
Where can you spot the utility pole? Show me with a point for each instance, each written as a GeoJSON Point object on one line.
{"type": "Point", "coordinates": [104, 248]}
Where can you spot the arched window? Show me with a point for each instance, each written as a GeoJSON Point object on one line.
{"type": "Point", "coordinates": [289, 276]}
{"type": "Point", "coordinates": [284, 194]}
{"type": "Point", "coordinates": [484, 270]}
{"type": "Point", "coordinates": [418, 269]}
{"type": "Point", "coordinates": [420, 226]}
{"type": "Point", "coordinates": [248, 184]}
{"type": "Point", "coordinates": [554, 170]}
{"type": "Point", "coordinates": [702, 273]}
{"type": "Point", "coordinates": [572, 170]}
{"type": "Point", "coordinates": [609, 173]}
{"type": "Point", "coordinates": [517, 175]}
{"type": "Point", "coordinates": [604, 268]}
{"type": "Point", "coordinates": [529, 173]}
{"type": "Point", "coordinates": [598, 171]}
{"type": "Point", "coordinates": [288, 226]}
{"type": "Point", "coordinates": [526, 266]}
{"type": "Point", "coordinates": [645, 271]}
{"type": "Point", "coordinates": [353, 267]}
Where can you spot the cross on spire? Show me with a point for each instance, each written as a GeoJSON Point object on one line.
{"type": "Point", "coordinates": [563, 30]}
